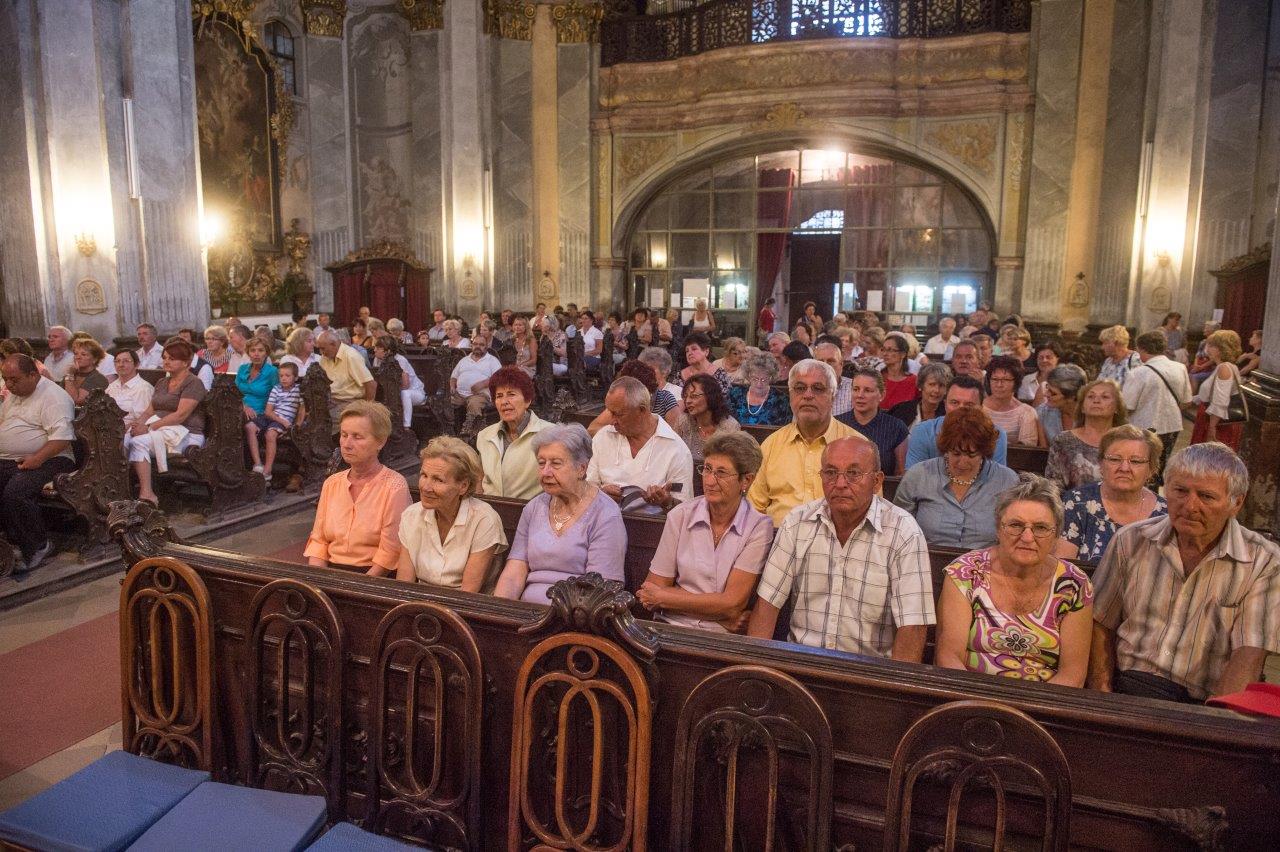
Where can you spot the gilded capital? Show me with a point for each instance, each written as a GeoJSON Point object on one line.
{"type": "Point", "coordinates": [423, 14]}
{"type": "Point", "coordinates": [324, 17]}
{"type": "Point", "coordinates": [577, 22]}
{"type": "Point", "coordinates": [509, 19]}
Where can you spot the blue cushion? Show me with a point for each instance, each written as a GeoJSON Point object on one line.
{"type": "Point", "coordinates": [104, 806]}
{"type": "Point", "coordinates": [221, 817]}
{"type": "Point", "coordinates": [345, 837]}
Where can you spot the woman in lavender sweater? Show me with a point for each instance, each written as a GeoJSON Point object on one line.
{"type": "Point", "coordinates": [567, 530]}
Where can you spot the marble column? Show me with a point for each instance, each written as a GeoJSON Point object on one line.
{"type": "Point", "coordinates": [545, 145]}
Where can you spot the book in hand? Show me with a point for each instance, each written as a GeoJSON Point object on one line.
{"type": "Point", "coordinates": [632, 499]}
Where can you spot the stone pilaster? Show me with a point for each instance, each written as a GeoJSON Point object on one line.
{"type": "Point", "coordinates": [328, 113]}
{"type": "Point", "coordinates": [545, 144]}
{"type": "Point", "coordinates": [464, 58]}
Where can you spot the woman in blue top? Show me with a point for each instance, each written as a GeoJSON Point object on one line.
{"type": "Point", "coordinates": [759, 403]}
{"type": "Point", "coordinates": [255, 381]}
{"type": "Point", "coordinates": [1060, 410]}
{"type": "Point", "coordinates": [1093, 513]}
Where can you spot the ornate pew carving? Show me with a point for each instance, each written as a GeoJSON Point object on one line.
{"type": "Point", "coordinates": [311, 442]}
{"type": "Point", "coordinates": [296, 655]}
{"type": "Point", "coordinates": [220, 463]}
{"type": "Point", "coordinates": [139, 528]}
{"type": "Point", "coordinates": [544, 381]}
{"type": "Point", "coordinates": [166, 647]}
{"type": "Point", "coordinates": [746, 721]}
{"type": "Point", "coordinates": [424, 779]}
{"type": "Point", "coordinates": [402, 447]}
{"type": "Point", "coordinates": [607, 368]}
{"type": "Point", "coordinates": [441, 402]}
{"type": "Point", "coordinates": [633, 344]}
{"type": "Point", "coordinates": [577, 364]}
{"type": "Point", "coordinates": [103, 476]}
{"type": "Point", "coordinates": [581, 725]}
{"type": "Point", "coordinates": [972, 744]}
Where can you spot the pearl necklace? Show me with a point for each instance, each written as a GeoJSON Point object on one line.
{"type": "Point", "coordinates": [558, 522]}
{"type": "Point", "coordinates": [963, 483]}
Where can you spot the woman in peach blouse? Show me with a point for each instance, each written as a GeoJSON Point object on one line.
{"type": "Point", "coordinates": [358, 518]}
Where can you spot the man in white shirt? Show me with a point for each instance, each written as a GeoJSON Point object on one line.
{"type": "Point", "coordinates": [149, 350]}
{"type": "Point", "coordinates": [939, 346]}
{"type": "Point", "coordinates": [1155, 392]}
{"type": "Point", "coordinates": [469, 382]}
{"type": "Point", "coordinates": [59, 360]}
{"type": "Point", "coordinates": [592, 339]}
{"type": "Point", "coordinates": [238, 338]}
{"type": "Point", "coordinates": [639, 449]}
{"type": "Point", "coordinates": [35, 446]}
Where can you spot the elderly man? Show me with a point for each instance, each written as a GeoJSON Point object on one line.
{"type": "Point", "coordinates": [1187, 605]}
{"type": "Point", "coordinates": [149, 349]}
{"type": "Point", "coordinates": [964, 392]}
{"type": "Point", "coordinates": [349, 376]}
{"type": "Point", "coordinates": [965, 361]}
{"type": "Point", "coordinates": [793, 454]}
{"type": "Point", "coordinates": [939, 346]}
{"type": "Point", "coordinates": [1155, 392]}
{"type": "Point", "coordinates": [469, 382]}
{"type": "Point", "coordinates": [237, 341]}
{"type": "Point", "coordinates": [639, 449]}
{"type": "Point", "coordinates": [827, 350]}
{"type": "Point", "coordinates": [59, 360]}
{"type": "Point", "coordinates": [857, 566]}
{"type": "Point", "coordinates": [35, 446]}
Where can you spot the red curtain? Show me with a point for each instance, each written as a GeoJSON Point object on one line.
{"type": "Point", "coordinates": [772, 210]}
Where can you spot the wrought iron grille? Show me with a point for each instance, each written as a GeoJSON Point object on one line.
{"type": "Point", "coordinates": [729, 23]}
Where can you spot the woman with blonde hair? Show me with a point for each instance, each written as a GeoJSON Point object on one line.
{"type": "Point", "coordinates": [84, 375]}
{"type": "Point", "coordinates": [1213, 399]}
{"type": "Point", "coordinates": [300, 350]}
{"type": "Point", "coordinates": [1073, 454]}
{"type": "Point", "coordinates": [1120, 358]}
{"type": "Point", "coordinates": [450, 537]}
{"type": "Point", "coordinates": [216, 352]}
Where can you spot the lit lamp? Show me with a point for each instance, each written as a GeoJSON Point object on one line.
{"type": "Point", "coordinates": [86, 244]}
{"type": "Point", "coordinates": [210, 229]}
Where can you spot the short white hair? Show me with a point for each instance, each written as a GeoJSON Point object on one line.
{"type": "Point", "coordinates": [635, 393]}
{"type": "Point", "coordinates": [394, 326]}
{"type": "Point", "coordinates": [1211, 459]}
{"type": "Point", "coordinates": [808, 365]}
{"type": "Point", "coordinates": [572, 436]}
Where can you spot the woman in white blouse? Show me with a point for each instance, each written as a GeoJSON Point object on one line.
{"type": "Point", "coordinates": [450, 537]}
{"type": "Point", "coordinates": [301, 349]}
{"type": "Point", "coordinates": [1213, 400]}
{"type": "Point", "coordinates": [130, 391]}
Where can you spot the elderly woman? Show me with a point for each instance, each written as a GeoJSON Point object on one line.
{"type": "Point", "coordinates": [1015, 609]}
{"type": "Point", "coordinates": [1015, 342]}
{"type": "Point", "coordinates": [568, 530]}
{"type": "Point", "coordinates": [697, 354]}
{"type": "Point", "coordinates": [1094, 511]}
{"type": "Point", "coordinates": [449, 537]}
{"type": "Point", "coordinates": [1060, 409]}
{"type": "Point", "coordinates": [506, 447]}
{"type": "Point", "coordinates": [953, 496]}
{"type": "Point", "coordinates": [300, 349]}
{"type": "Point", "coordinates": [412, 391]}
{"type": "Point", "coordinates": [1017, 419]}
{"type": "Point", "coordinates": [705, 414]}
{"type": "Point", "coordinates": [395, 328]}
{"type": "Point", "coordinates": [933, 381]}
{"type": "Point", "coordinates": [870, 358]}
{"type": "Point", "coordinates": [1073, 454]}
{"type": "Point", "coordinates": [735, 350]}
{"type": "Point", "coordinates": [216, 352]}
{"type": "Point", "coordinates": [1120, 358]}
{"type": "Point", "coordinates": [130, 391]}
{"type": "Point", "coordinates": [713, 547]}
{"type": "Point", "coordinates": [526, 346]}
{"type": "Point", "coordinates": [758, 402]}
{"type": "Point", "coordinates": [358, 517]}
{"type": "Point", "coordinates": [559, 345]}
{"type": "Point", "coordinates": [453, 338]}
{"type": "Point", "coordinates": [175, 402]}
{"type": "Point", "coordinates": [1213, 399]}
{"type": "Point", "coordinates": [84, 375]}
{"type": "Point", "coordinates": [1035, 382]}
{"type": "Point", "coordinates": [801, 334]}
{"type": "Point", "coordinates": [659, 360]}
{"type": "Point", "coordinates": [775, 343]}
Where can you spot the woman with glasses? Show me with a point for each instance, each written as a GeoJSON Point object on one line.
{"type": "Point", "coordinates": [899, 382]}
{"type": "Point", "coordinates": [705, 414]}
{"type": "Point", "coordinates": [713, 547]}
{"type": "Point", "coordinates": [1014, 609]}
{"type": "Point", "coordinates": [1017, 419]}
{"type": "Point", "coordinates": [758, 402]}
{"type": "Point", "coordinates": [1094, 511]}
{"type": "Point", "coordinates": [953, 496]}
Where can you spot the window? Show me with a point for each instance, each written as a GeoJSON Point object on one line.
{"type": "Point", "coordinates": [280, 46]}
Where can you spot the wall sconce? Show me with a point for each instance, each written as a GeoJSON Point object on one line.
{"type": "Point", "coordinates": [86, 244]}
{"type": "Point", "coordinates": [1163, 260]}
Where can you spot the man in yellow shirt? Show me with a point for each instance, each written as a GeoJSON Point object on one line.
{"type": "Point", "coordinates": [790, 475]}
{"type": "Point", "coordinates": [349, 376]}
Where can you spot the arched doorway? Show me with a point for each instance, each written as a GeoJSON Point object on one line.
{"type": "Point", "coordinates": [842, 229]}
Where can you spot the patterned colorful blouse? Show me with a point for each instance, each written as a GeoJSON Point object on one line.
{"type": "Point", "coordinates": [774, 411]}
{"type": "Point", "coordinates": [1085, 521]}
{"type": "Point", "coordinates": [1026, 646]}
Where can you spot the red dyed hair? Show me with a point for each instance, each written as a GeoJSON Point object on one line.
{"type": "Point", "coordinates": [968, 428]}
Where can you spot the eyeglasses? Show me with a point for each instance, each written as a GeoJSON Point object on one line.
{"type": "Point", "coordinates": [818, 389]}
{"type": "Point", "coordinates": [1118, 460]}
{"type": "Point", "coordinates": [1039, 531]}
{"type": "Point", "coordinates": [720, 475]}
{"type": "Point", "coordinates": [694, 395]}
{"type": "Point", "coordinates": [830, 474]}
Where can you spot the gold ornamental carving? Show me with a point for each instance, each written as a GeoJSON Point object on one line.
{"type": "Point", "coordinates": [783, 117]}
{"type": "Point", "coordinates": [423, 14]}
{"type": "Point", "coordinates": [577, 22]}
{"type": "Point", "coordinates": [380, 249]}
{"type": "Point", "coordinates": [324, 17]}
{"type": "Point", "coordinates": [509, 19]}
{"type": "Point", "coordinates": [639, 154]}
{"type": "Point", "coordinates": [972, 143]}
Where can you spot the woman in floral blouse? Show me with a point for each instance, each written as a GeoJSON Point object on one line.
{"type": "Point", "coordinates": [1015, 609]}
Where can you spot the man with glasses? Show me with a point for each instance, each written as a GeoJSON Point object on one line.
{"type": "Point", "coordinates": [856, 566]}
{"type": "Point", "coordinates": [965, 391]}
{"type": "Point", "coordinates": [793, 454]}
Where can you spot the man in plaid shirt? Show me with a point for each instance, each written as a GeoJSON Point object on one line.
{"type": "Point", "coordinates": [856, 565]}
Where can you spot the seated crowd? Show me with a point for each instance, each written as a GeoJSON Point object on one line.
{"type": "Point", "coordinates": [792, 533]}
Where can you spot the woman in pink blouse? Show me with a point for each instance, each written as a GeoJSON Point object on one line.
{"type": "Point", "coordinates": [358, 518]}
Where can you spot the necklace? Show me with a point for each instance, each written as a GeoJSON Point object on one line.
{"type": "Point", "coordinates": [755, 409]}
{"type": "Point", "coordinates": [558, 521]}
{"type": "Point", "coordinates": [963, 483]}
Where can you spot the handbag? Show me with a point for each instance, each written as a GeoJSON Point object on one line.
{"type": "Point", "coordinates": [1237, 407]}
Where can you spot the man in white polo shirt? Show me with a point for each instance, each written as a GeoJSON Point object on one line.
{"type": "Point", "coordinates": [469, 382]}
{"type": "Point", "coordinates": [639, 449]}
{"type": "Point", "coordinates": [149, 350]}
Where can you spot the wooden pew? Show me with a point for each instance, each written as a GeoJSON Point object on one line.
{"type": "Point", "coordinates": [396, 700]}
{"type": "Point", "coordinates": [103, 473]}
{"type": "Point", "coordinates": [401, 449]}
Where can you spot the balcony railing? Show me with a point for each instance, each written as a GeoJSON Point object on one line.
{"type": "Point", "coordinates": [733, 23]}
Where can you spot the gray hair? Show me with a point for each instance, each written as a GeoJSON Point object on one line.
{"type": "Point", "coordinates": [395, 326]}
{"type": "Point", "coordinates": [935, 371]}
{"type": "Point", "coordinates": [328, 334]}
{"type": "Point", "coordinates": [786, 338]}
{"type": "Point", "coordinates": [61, 328]}
{"type": "Point", "coordinates": [1031, 489]}
{"type": "Point", "coordinates": [553, 324]}
{"type": "Point", "coordinates": [635, 393]}
{"type": "Point", "coordinates": [760, 363]}
{"type": "Point", "coordinates": [656, 357]}
{"type": "Point", "coordinates": [454, 324]}
{"type": "Point", "coordinates": [946, 320]}
{"type": "Point", "coordinates": [808, 365]}
{"type": "Point", "coordinates": [1211, 459]}
{"type": "Point", "coordinates": [1068, 379]}
{"type": "Point", "coordinates": [572, 436]}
